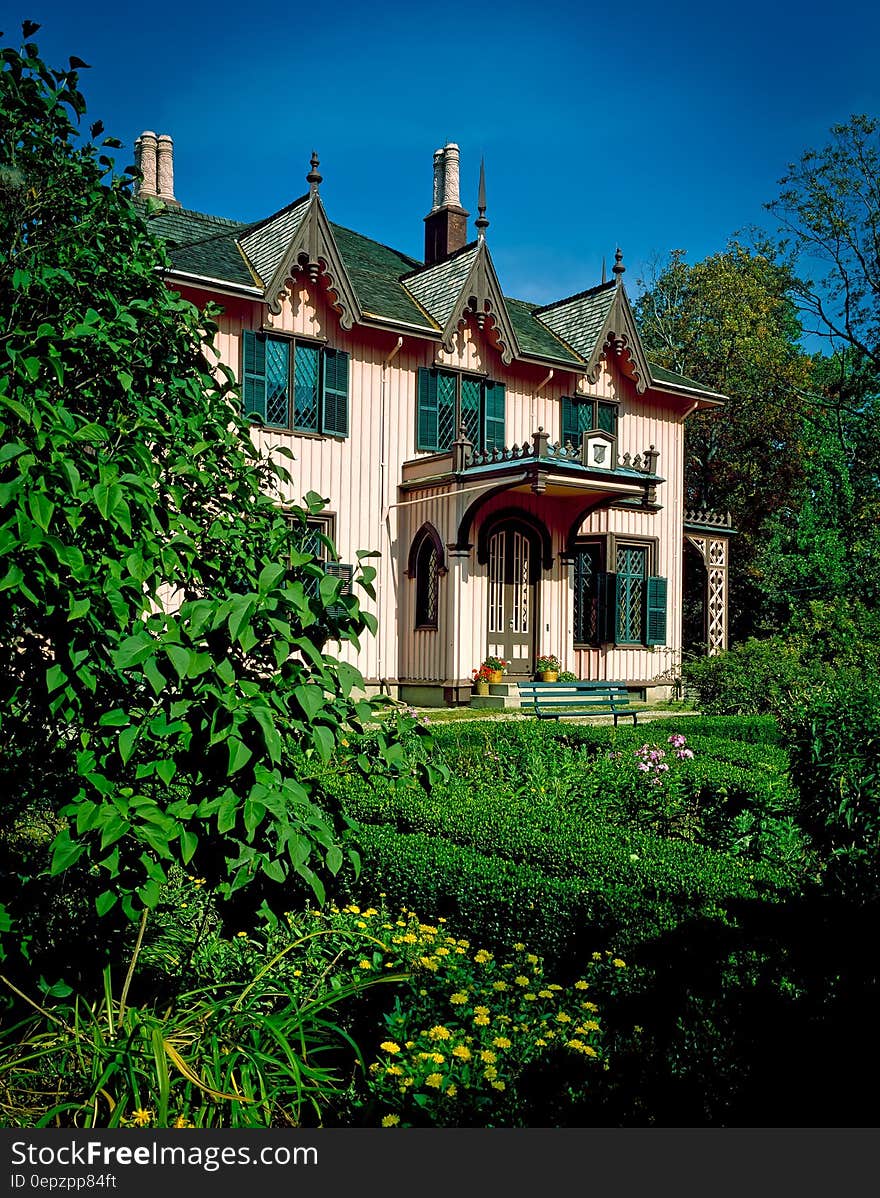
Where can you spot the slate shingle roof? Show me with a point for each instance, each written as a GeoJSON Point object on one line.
{"type": "Point", "coordinates": [203, 245]}
{"type": "Point", "coordinates": [578, 320]}
{"type": "Point", "coordinates": [390, 286]}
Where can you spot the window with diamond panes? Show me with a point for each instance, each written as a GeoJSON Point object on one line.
{"type": "Point", "coordinates": [581, 416]}
{"type": "Point", "coordinates": [427, 579]}
{"type": "Point", "coordinates": [632, 563]}
{"type": "Point", "coordinates": [585, 569]}
{"type": "Point", "coordinates": [295, 385]}
{"type": "Point", "coordinates": [448, 401]}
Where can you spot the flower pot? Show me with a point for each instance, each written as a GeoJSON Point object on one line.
{"type": "Point", "coordinates": [481, 688]}
{"type": "Point", "coordinates": [549, 675]}
{"type": "Point", "coordinates": [496, 676]}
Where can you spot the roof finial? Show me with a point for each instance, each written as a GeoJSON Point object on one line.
{"type": "Point", "coordinates": [313, 178]}
{"type": "Point", "coordinates": [618, 268]}
{"type": "Point", "coordinates": [604, 272]}
{"type": "Point", "coordinates": [481, 223]}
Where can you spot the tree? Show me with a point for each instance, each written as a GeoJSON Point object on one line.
{"type": "Point", "coordinates": [163, 679]}
{"type": "Point", "coordinates": [829, 218]}
{"type": "Point", "coordinates": [729, 321]}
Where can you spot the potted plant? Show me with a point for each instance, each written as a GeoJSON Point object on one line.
{"type": "Point", "coordinates": [481, 679]}
{"type": "Point", "coordinates": [496, 666]}
{"type": "Point", "coordinates": [547, 667]}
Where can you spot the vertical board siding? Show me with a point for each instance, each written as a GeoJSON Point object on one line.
{"type": "Point", "coordinates": [359, 476]}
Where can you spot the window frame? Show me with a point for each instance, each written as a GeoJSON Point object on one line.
{"type": "Point", "coordinates": [461, 377]}
{"type": "Point", "coordinates": [595, 405]}
{"type": "Point", "coordinates": [427, 536]}
{"type": "Point", "coordinates": [607, 587]}
{"type": "Point", "coordinates": [323, 390]}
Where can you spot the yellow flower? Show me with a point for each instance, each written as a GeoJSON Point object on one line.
{"type": "Point", "coordinates": [370, 911]}
{"type": "Point", "coordinates": [409, 938]}
{"type": "Point", "coordinates": [553, 986]}
{"type": "Point", "coordinates": [365, 964]}
{"type": "Point", "coordinates": [394, 1071]}
{"type": "Point", "coordinates": [500, 986]}
{"type": "Point", "coordinates": [589, 1006]}
{"type": "Point", "coordinates": [545, 993]}
{"type": "Point", "coordinates": [488, 1057]}
{"type": "Point", "coordinates": [575, 1043]}
{"type": "Point", "coordinates": [563, 1017]}
{"type": "Point", "coordinates": [530, 997]}
{"type": "Point", "coordinates": [490, 1073]}
{"type": "Point", "coordinates": [240, 934]}
{"type": "Point", "coordinates": [482, 957]}
{"type": "Point", "coordinates": [532, 959]}
{"type": "Point", "coordinates": [352, 909]}
{"type": "Point", "coordinates": [458, 999]}
{"type": "Point", "coordinates": [620, 964]}
{"type": "Point", "coordinates": [501, 1042]}
{"type": "Point", "coordinates": [390, 1120]}
{"type": "Point", "coordinates": [141, 1117]}
{"type": "Point", "coordinates": [435, 1080]}
{"type": "Point", "coordinates": [481, 1020]}
{"type": "Point", "coordinates": [464, 943]}
{"type": "Point", "coordinates": [438, 1058]}
{"type": "Point", "coordinates": [439, 1033]}
{"type": "Point", "coordinates": [181, 1120]}
{"type": "Point", "coordinates": [590, 1026]}
{"type": "Point", "coordinates": [428, 962]}
{"type": "Point", "coordinates": [481, 1010]}
{"type": "Point", "coordinates": [541, 1043]}
{"type": "Point", "coordinates": [389, 1046]}
{"type": "Point", "coordinates": [597, 956]}
{"type": "Point", "coordinates": [462, 1052]}
{"type": "Point", "coordinates": [441, 951]}
{"type": "Point", "coordinates": [580, 984]}
{"type": "Point", "coordinates": [498, 1086]}
{"type": "Point", "coordinates": [520, 980]}
{"type": "Point", "coordinates": [519, 947]}
{"type": "Point", "coordinates": [452, 1090]}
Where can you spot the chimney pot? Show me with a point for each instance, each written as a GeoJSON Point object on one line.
{"type": "Point", "coordinates": [165, 168]}
{"type": "Point", "coordinates": [145, 157]}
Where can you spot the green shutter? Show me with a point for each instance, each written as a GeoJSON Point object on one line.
{"type": "Point", "coordinates": [427, 410]}
{"type": "Point", "coordinates": [606, 614]}
{"type": "Point", "coordinates": [570, 430]}
{"type": "Point", "coordinates": [493, 426]}
{"type": "Point", "coordinates": [254, 374]}
{"type": "Point", "coordinates": [343, 570]}
{"type": "Point", "coordinates": [655, 611]}
{"type": "Point", "coordinates": [335, 414]}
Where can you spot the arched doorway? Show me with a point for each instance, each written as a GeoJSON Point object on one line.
{"type": "Point", "coordinates": [513, 554]}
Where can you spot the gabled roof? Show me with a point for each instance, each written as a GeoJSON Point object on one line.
{"type": "Point", "coordinates": [266, 243]}
{"type": "Point", "coordinates": [371, 282]}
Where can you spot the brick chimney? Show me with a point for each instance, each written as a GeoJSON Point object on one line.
{"type": "Point", "coordinates": [446, 223]}
{"type": "Point", "coordinates": [154, 158]}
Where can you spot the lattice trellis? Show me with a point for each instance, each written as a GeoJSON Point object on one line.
{"type": "Point", "coordinates": [713, 551]}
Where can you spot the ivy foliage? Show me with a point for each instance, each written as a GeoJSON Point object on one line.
{"type": "Point", "coordinates": [162, 629]}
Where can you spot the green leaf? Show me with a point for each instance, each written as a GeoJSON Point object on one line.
{"type": "Point", "coordinates": [179, 658]}
{"type": "Point", "coordinates": [134, 650]}
{"type": "Point", "coordinates": [126, 742]}
{"type": "Point", "coordinates": [239, 755]}
{"type": "Point", "coordinates": [189, 842]}
{"type": "Point", "coordinates": [310, 699]}
{"type": "Point", "coordinates": [65, 852]}
{"type": "Point", "coordinates": [106, 901]}
{"type": "Point", "coordinates": [166, 769]}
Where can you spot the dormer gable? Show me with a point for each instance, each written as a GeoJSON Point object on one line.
{"type": "Point", "coordinates": [599, 324]}
{"type": "Point", "coordinates": [465, 285]}
{"type": "Point", "coordinates": [299, 239]}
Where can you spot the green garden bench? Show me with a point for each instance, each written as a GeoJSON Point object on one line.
{"type": "Point", "coordinates": [553, 700]}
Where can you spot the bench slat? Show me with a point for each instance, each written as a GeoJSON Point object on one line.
{"type": "Point", "coordinates": [555, 700]}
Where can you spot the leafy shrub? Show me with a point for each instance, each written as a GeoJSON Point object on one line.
{"type": "Point", "coordinates": [754, 678]}
{"type": "Point", "coordinates": [834, 733]}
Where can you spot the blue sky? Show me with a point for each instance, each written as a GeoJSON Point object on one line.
{"type": "Point", "coordinates": [649, 126]}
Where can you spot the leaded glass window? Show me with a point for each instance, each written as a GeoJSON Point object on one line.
{"type": "Point", "coordinates": [447, 400]}
{"type": "Point", "coordinates": [296, 385]}
{"type": "Point", "coordinates": [632, 571]}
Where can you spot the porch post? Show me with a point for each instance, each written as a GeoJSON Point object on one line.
{"type": "Point", "coordinates": [715, 555]}
{"type": "Point", "coordinates": [459, 621]}
{"type": "Point", "coordinates": [566, 612]}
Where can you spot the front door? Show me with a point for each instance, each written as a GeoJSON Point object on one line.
{"type": "Point", "coordinates": [513, 558]}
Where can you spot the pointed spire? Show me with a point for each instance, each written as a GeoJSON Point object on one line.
{"type": "Point", "coordinates": [481, 223]}
{"type": "Point", "coordinates": [618, 268]}
{"type": "Point", "coordinates": [313, 178]}
{"type": "Point", "coordinates": [604, 272]}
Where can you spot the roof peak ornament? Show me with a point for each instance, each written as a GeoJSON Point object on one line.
{"type": "Point", "coordinates": [481, 223]}
{"type": "Point", "coordinates": [618, 268]}
{"type": "Point", "coordinates": [313, 178]}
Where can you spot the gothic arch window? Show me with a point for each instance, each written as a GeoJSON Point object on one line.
{"type": "Point", "coordinates": [426, 567]}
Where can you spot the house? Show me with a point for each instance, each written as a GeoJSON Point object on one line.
{"type": "Point", "coordinates": [519, 467]}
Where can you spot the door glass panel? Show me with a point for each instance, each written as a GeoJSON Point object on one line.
{"type": "Point", "coordinates": [496, 582]}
